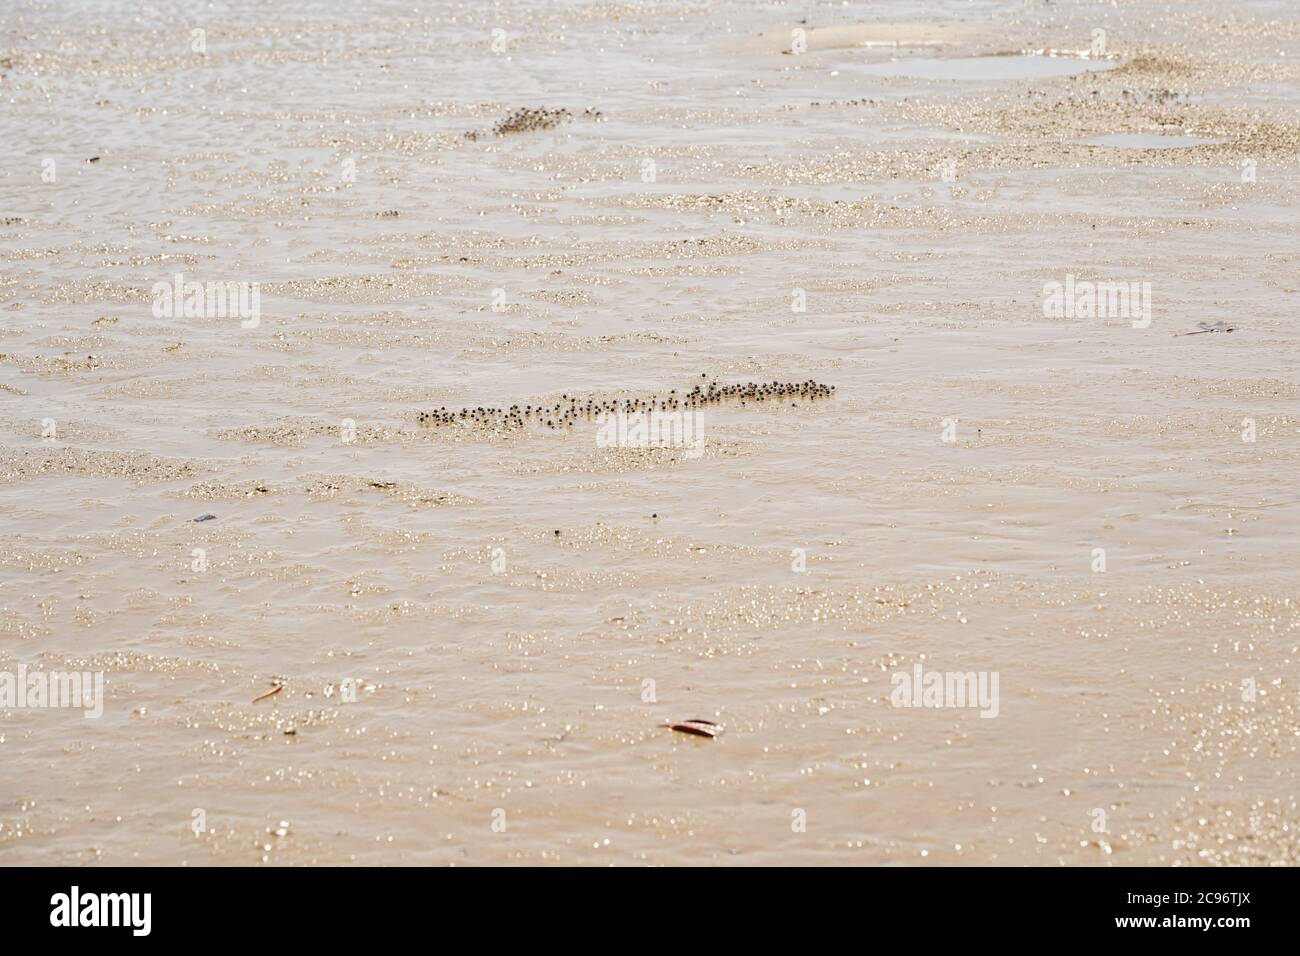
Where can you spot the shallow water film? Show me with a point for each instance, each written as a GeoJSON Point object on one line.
{"type": "Point", "coordinates": [649, 433]}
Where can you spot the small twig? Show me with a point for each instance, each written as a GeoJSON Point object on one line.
{"type": "Point", "coordinates": [270, 693]}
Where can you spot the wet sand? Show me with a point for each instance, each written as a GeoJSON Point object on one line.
{"type": "Point", "coordinates": [477, 629]}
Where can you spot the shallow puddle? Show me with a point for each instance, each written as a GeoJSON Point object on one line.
{"type": "Point", "coordinates": [1021, 67]}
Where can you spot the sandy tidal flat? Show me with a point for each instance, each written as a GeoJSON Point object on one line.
{"type": "Point", "coordinates": [477, 627]}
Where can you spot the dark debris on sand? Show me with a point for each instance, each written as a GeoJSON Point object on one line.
{"type": "Point", "coordinates": [571, 409]}
{"type": "Point", "coordinates": [528, 120]}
